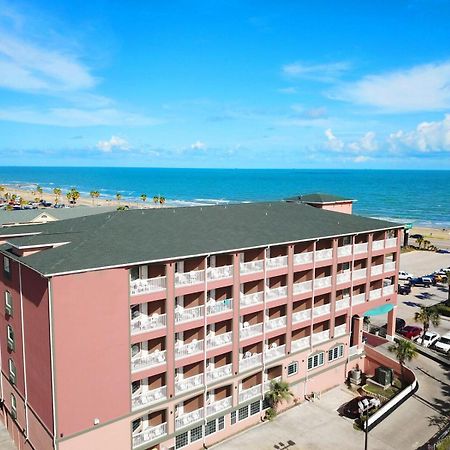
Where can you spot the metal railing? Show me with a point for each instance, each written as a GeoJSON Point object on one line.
{"type": "Point", "coordinates": [303, 258]}
{"type": "Point", "coordinates": [188, 384]}
{"type": "Point", "coordinates": [148, 285]}
{"type": "Point", "coordinates": [145, 323]}
{"type": "Point", "coordinates": [300, 316]}
{"type": "Point", "coordinates": [218, 306]}
{"type": "Point", "coordinates": [300, 344]}
{"type": "Point", "coordinates": [149, 434]}
{"type": "Point", "coordinates": [189, 278]}
{"type": "Point", "coordinates": [274, 324]}
{"type": "Point", "coordinates": [276, 263]}
{"type": "Point", "coordinates": [219, 340]}
{"type": "Point", "coordinates": [148, 397]}
{"type": "Point", "coordinates": [251, 330]}
{"type": "Point", "coordinates": [275, 293]}
{"type": "Point", "coordinates": [248, 394]}
{"type": "Point", "coordinates": [187, 418]}
{"type": "Point", "coordinates": [183, 350]}
{"type": "Point", "coordinates": [251, 299]}
{"type": "Point", "coordinates": [219, 372]}
{"type": "Point", "coordinates": [219, 273]}
{"type": "Point", "coordinates": [188, 314]}
{"type": "Point", "coordinates": [219, 405]}
{"type": "Point", "coordinates": [251, 266]}
{"type": "Point", "coordinates": [250, 361]}
{"type": "Point", "coordinates": [155, 358]}
{"type": "Point", "coordinates": [275, 352]}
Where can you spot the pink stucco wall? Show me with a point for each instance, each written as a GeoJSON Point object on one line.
{"type": "Point", "coordinates": [344, 207]}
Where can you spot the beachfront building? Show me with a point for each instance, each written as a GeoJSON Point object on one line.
{"type": "Point", "coordinates": [163, 328]}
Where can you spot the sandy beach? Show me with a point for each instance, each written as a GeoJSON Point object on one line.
{"type": "Point", "coordinates": [438, 237]}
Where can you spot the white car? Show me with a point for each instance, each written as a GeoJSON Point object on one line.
{"type": "Point", "coordinates": [443, 345]}
{"type": "Point", "coordinates": [402, 275]}
{"type": "Point", "coordinates": [429, 339]}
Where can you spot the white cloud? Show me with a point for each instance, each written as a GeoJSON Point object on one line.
{"type": "Point", "coordinates": [367, 143]}
{"type": "Point", "coordinates": [288, 90]}
{"type": "Point", "coordinates": [319, 72]}
{"type": "Point", "coordinates": [333, 142]}
{"type": "Point", "coordinates": [361, 159]}
{"type": "Point", "coordinates": [420, 88]}
{"type": "Point", "coordinates": [115, 142]}
{"type": "Point", "coordinates": [198, 145]}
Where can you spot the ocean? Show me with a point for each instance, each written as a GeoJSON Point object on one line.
{"type": "Point", "coordinates": [417, 196]}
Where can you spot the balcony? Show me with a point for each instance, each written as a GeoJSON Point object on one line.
{"type": "Point", "coordinates": [146, 286]}
{"type": "Point", "coordinates": [217, 307]}
{"type": "Point", "coordinates": [145, 323]}
{"type": "Point", "coordinates": [141, 362]}
{"type": "Point", "coordinates": [388, 290]}
{"type": "Point", "coordinates": [188, 418]}
{"type": "Point", "coordinates": [358, 299]}
{"type": "Point", "coordinates": [219, 405]}
{"type": "Point", "coordinates": [252, 299]}
{"type": "Point", "coordinates": [251, 266]}
{"type": "Point", "coordinates": [267, 383]}
{"type": "Point", "coordinates": [361, 248]}
{"type": "Point", "coordinates": [323, 255]}
{"type": "Point", "coordinates": [304, 286]}
{"type": "Point", "coordinates": [248, 394]}
{"type": "Point", "coordinates": [188, 384]}
{"type": "Point", "coordinates": [149, 397]}
{"type": "Point", "coordinates": [343, 277]}
{"type": "Point", "coordinates": [219, 340]}
{"type": "Point", "coordinates": [276, 263]}
{"type": "Point", "coordinates": [300, 316]}
{"type": "Point", "coordinates": [250, 361]}
{"type": "Point", "coordinates": [184, 350]}
{"type": "Point", "coordinates": [248, 331]}
{"type": "Point", "coordinates": [322, 336]}
{"type": "Point", "coordinates": [275, 324]}
{"type": "Point", "coordinates": [321, 310]}
{"type": "Point", "coordinates": [376, 293]}
{"type": "Point", "coordinates": [376, 270]}
{"type": "Point", "coordinates": [345, 250]}
{"type": "Point", "coordinates": [303, 258]}
{"type": "Point", "coordinates": [300, 344]}
{"type": "Point", "coordinates": [219, 273]}
{"type": "Point", "coordinates": [340, 330]}
{"type": "Point", "coordinates": [187, 315]}
{"type": "Point", "coordinates": [275, 352]}
{"type": "Point", "coordinates": [343, 303]}
{"type": "Point", "coordinates": [149, 434]}
{"type": "Point", "coordinates": [359, 274]}
{"type": "Point", "coordinates": [189, 278]}
{"type": "Point", "coordinates": [354, 351]}
{"type": "Point", "coordinates": [276, 293]}
{"type": "Point", "coordinates": [390, 243]}
{"type": "Point", "coordinates": [377, 245]}
{"type": "Point", "coordinates": [218, 373]}
{"type": "Point", "coordinates": [320, 283]}
{"type": "Point", "coordinates": [389, 266]}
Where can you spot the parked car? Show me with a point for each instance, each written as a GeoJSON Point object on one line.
{"type": "Point", "coordinates": [442, 272]}
{"type": "Point", "coordinates": [416, 236]}
{"type": "Point", "coordinates": [411, 331]}
{"type": "Point", "coordinates": [402, 275]}
{"type": "Point", "coordinates": [421, 281]}
{"type": "Point", "coordinates": [351, 409]}
{"type": "Point", "coordinates": [443, 345]}
{"type": "Point", "coordinates": [439, 278]}
{"type": "Point", "coordinates": [429, 339]}
{"type": "Point", "coordinates": [404, 289]}
{"type": "Point", "coordinates": [443, 250]}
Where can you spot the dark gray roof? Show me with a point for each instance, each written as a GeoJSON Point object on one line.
{"type": "Point", "coordinates": [122, 238]}
{"type": "Point", "coordinates": [318, 198]}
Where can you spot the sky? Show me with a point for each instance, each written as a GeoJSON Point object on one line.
{"type": "Point", "coordinates": [238, 84]}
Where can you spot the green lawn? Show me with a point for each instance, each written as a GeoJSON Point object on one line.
{"type": "Point", "coordinates": [444, 444]}
{"type": "Point", "coordinates": [388, 393]}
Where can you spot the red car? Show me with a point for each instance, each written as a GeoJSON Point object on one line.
{"type": "Point", "coordinates": [410, 331]}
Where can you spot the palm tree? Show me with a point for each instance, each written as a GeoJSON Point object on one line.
{"type": "Point", "coordinates": [156, 199]}
{"type": "Point", "coordinates": [75, 195]}
{"type": "Point", "coordinates": [22, 202]}
{"type": "Point", "coordinates": [404, 351]}
{"type": "Point", "coordinates": [162, 200]}
{"type": "Point", "coordinates": [92, 194]}
{"type": "Point", "coordinates": [426, 244]}
{"type": "Point", "coordinates": [419, 241]}
{"type": "Point", "coordinates": [69, 196]}
{"type": "Point", "coordinates": [279, 391]}
{"type": "Point", "coordinates": [2, 189]}
{"type": "Point", "coordinates": [57, 192]}
{"type": "Point", "coordinates": [39, 190]}
{"type": "Point", "coordinates": [118, 197]}
{"type": "Point", "coordinates": [426, 316]}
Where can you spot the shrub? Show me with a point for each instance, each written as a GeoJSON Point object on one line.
{"type": "Point", "coordinates": [443, 310]}
{"type": "Point", "coordinates": [271, 413]}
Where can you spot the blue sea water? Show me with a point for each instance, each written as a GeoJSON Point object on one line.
{"type": "Point", "coordinates": [421, 197]}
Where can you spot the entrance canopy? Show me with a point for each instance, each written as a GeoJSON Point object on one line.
{"type": "Point", "coordinates": [379, 311]}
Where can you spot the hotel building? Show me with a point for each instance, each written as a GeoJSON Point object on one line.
{"type": "Point", "coordinates": [163, 328]}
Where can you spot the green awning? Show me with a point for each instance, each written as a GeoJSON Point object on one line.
{"type": "Point", "coordinates": [380, 310]}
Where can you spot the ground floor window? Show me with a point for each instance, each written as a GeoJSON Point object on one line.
{"type": "Point", "coordinates": [255, 408]}
{"type": "Point", "coordinates": [188, 437]}
{"type": "Point", "coordinates": [233, 417]}
{"type": "Point", "coordinates": [336, 352]}
{"type": "Point", "coordinates": [243, 412]}
{"type": "Point", "coordinates": [315, 360]}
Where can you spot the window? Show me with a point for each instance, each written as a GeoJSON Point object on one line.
{"type": "Point", "coordinates": [10, 338]}
{"type": "Point", "coordinates": [346, 240]}
{"type": "Point", "coordinates": [315, 360]}
{"type": "Point", "coordinates": [135, 424]}
{"type": "Point", "coordinates": [336, 352]}
{"type": "Point", "coordinates": [221, 422]}
{"type": "Point", "coordinates": [134, 273]}
{"type": "Point", "coordinates": [12, 371]}
{"type": "Point", "coordinates": [196, 433]}
{"type": "Point", "coordinates": [255, 407]}
{"type": "Point", "coordinates": [292, 368]}
{"type": "Point", "coordinates": [135, 386]}
{"type": "Point", "coordinates": [8, 304]}
{"type": "Point", "coordinates": [346, 266]}
{"type": "Point", "coordinates": [182, 440]}
{"type": "Point", "coordinates": [233, 417]}
{"type": "Point", "coordinates": [6, 266]}
{"type": "Point", "coordinates": [243, 413]}
{"type": "Point", "coordinates": [210, 427]}
{"type": "Point", "coordinates": [13, 406]}
{"type": "Point", "coordinates": [265, 403]}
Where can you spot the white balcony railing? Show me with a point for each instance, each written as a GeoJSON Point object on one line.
{"type": "Point", "coordinates": [345, 250]}
{"type": "Point", "coordinates": [388, 290]}
{"type": "Point", "coordinates": [218, 373]}
{"type": "Point", "coordinates": [252, 299]}
{"type": "Point", "coordinates": [188, 384]}
{"type": "Point", "coordinates": [323, 255]}
{"type": "Point", "coordinates": [146, 286]}
{"type": "Point", "coordinates": [322, 336]}
{"type": "Point", "coordinates": [146, 398]}
{"type": "Point", "coordinates": [300, 316]}
{"type": "Point", "coordinates": [376, 270]}
{"type": "Point", "coordinates": [189, 278]}
{"type": "Point", "coordinates": [391, 242]}
{"type": "Point", "coordinates": [140, 362]}
{"type": "Point", "coordinates": [340, 330]}
{"type": "Point", "coordinates": [188, 314]}
{"type": "Point", "coordinates": [303, 258]}
{"type": "Point", "coordinates": [145, 323]}
{"type": "Point", "coordinates": [358, 299]}
{"type": "Point", "coordinates": [250, 361]}
{"type": "Point", "coordinates": [320, 283]}
{"type": "Point", "coordinates": [378, 245]}
{"type": "Point", "coordinates": [219, 273]}
{"type": "Point", "coordinates": [218, 306]}
{"type": "Point", "coordinates": [361, 248]}
{"type": "Point", "coordinates": [276, 293]}
{"type": "Point", "coordinates": [186, 419]}
{"type": "Point", "coordinates": [219, 405]}
{"type": "Point", "coordinates": [219, 340]}
{"type": "Point", "coordinates": [275, 352]}
{"type": "Point", "coordinates": [274, 324]}
{"type": "Point", "coordinates": [149, 434]}
{"type": "Point", "coordinates": [342, 303]}
{"type": "Point", "coordinates": [389, 266]}
{"type": "Point", "coordinates": [304, 286]}
{"type": "Point", "coordinates": [343, 277]}
{"type": "Point", "coordinates": [248, 394]}
{"type": "Point", "coordinates": [321, 310]}
{"type": "Point", "coordinates": [183, 350]}
{"type": "Point", "coordinates": [376, 293]}
{"type": "Point", "coordinates": [276, 263]}
{"type": "Point", "coordinates": [251, 266]}
{"type": "Point", "coordinates": [359, 274]}
{"type": "Point", "coordinates": [354, 350]}
{"type": "Point", "coordinates": [250, 330]}
{"type": "Point", "coordinates": [300, 344]}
